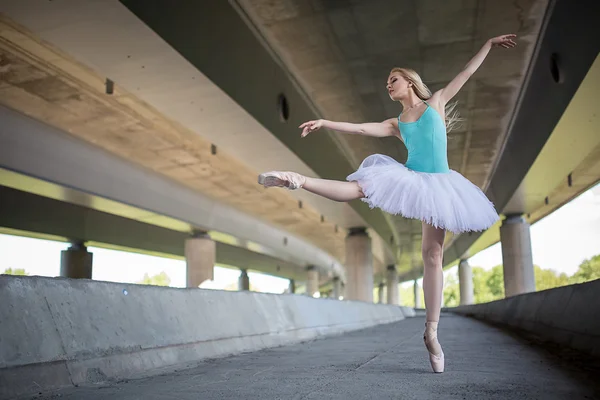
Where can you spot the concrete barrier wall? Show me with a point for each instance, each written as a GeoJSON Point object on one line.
{"type": "Point", "coordinates": [58, 332]}
{"type": "Point", "coordinates": [569, 315]}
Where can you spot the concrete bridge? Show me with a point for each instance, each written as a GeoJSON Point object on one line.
{"type": "Point", "coordinates": [141, 125]}
{"type": "Point", "coordinates": [144, 126]}
{"type": "Point", "coordinates": [81, 339]}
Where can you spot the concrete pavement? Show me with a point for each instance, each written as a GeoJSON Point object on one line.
{"type": "Point", "coordinates": [385, 362]}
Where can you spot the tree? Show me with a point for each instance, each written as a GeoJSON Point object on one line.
{"type": "Point", "coordinates": [548, 279]}
{"type": "Point", "coordinates": [495, 282]}
{"type": "Point", "coordinates": [16, 271]}
{"type": "Point", "coordinates": [161, 279]}
{"type": "Point", "coordinates": [407, 295]}
{"type": "Point", "coordinates": [589, 270]}
{"type": "Point", "coordinates": [451, 292]}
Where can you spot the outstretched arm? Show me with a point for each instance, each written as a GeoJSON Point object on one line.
{"type": "Point", "coordinates": [388, 127]}
{"type": "Point", "coordinates": [447, 93]}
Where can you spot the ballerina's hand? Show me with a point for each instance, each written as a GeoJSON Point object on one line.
{"type": "Point", "coordinates": [311, 126]}
{"type": "Point", "coordinates": [505, 41]}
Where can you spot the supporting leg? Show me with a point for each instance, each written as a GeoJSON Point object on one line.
{"type": "Point", "coordinates": [433, 280]}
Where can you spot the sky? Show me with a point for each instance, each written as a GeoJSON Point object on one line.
{"type": "Point", "coordinates": [560, 241]}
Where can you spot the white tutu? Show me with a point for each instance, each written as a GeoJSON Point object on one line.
{"type": "Point", "coordinates": [444, 200]}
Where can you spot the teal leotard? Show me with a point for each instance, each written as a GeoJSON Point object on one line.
{"type": "Point", "coordinates": [425, 140]}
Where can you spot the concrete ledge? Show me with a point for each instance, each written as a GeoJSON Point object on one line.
{"type": "Point", "coordinates": [408, 311]}
{"type": "Point", "coordinates": [56, 332]}
{"type": "Point", "coordinates": [569, 315]}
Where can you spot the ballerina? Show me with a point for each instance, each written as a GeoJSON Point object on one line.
{"type": "Point", "coordinates": [424, 188]}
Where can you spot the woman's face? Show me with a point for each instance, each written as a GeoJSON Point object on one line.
{"type": "Point", "coordinates": [397, 86]}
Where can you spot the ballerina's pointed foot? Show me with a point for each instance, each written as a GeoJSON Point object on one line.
{"type": "Point", "coordinates": [436, 355]}
{"type": "Point", "coordinates": [289, 180]}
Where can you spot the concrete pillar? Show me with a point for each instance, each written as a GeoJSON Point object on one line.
{"type": "Point", "coordinates": [417, 290]}
{"type": "Point", "coordinates": [200, 255]}
{"type": "Point", "coordinates": [292, 287]}
{"type": "Point", "coordinates": [359, 266]}
{"type": "Point", "coordinates": [465, 281]}
{"type": "Point", "coordinates": [380, 293]}
{"type": "Point", "coordinates": [393, 295]}
{"type": "Point", "coordinates": [312, 280]}
{"type": "Point", "coordinates": [337, 287]}
{"type": "Point", "coordinates": [76, 262]}
{"type": "Point", "coordinates": [517, 259]}
{"type": "Point", "coordinates": [244, 281]}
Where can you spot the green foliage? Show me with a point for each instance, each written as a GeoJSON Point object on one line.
{"type": "Point", "coordinates": [548, 279]}
{"type": "Point", "coordinates": [489, 285]}
{"type": "Point", "coordinates": [589, 270]}
{"type": "Point", "coordinates": [161, 279]}
{"type": "Point", "coordinates": [16, 271]}
{"type": "Point", "coordinates": [495, 282]}
{"type": "Point", "coordinates": [451, 292]}
{"type": "Point", "coordinates": [407, 296]}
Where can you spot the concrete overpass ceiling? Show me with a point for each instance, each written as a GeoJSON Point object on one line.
{"type": "Point", "coordinates": [341, 54]}
{"type": "Point", "coordinates": [26, 214]}
{"type": "Point", "coordinates": [568, 164]}
{"type": "Point", "coordinates": [336, 55]}
{"type": "Point", "coordinates": [552, 152]}
{"type": "Point", "coordinates": [156, 91]}
{"type": "Point", "coordinates": [40, 159]}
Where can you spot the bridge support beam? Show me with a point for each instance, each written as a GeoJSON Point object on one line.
{"type": "Point", "coordinates": [465, 282]}
{"type": "Point", "coordinates": [200, 255]}
{"type": "Point", "coordinates": [393, 296]}
{"type": "Point", "coordinates": [244, 281]}
{"type": "Point", "coordinates": [312, 280]}
{"type": "Point", "coordinates": [359, 265]}
{"type": "Point", "coordinates": [417, 290]}
{"type": "Point", "coordinates": [517, 258]}
{"type": "Point", "coordinates": [76, 262]}
{"type": "Point", "coordinates": [337, 287]}
{"type": "Point", "coordinates": [380, 292]}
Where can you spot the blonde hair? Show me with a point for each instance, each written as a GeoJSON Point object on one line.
{"type": "Point", "coordinates": [452, 118]}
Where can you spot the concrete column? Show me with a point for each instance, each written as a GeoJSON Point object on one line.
{"type": "Point", "coordinates": [393, 295]}
{"type": "Point", "coordinates": [312, 280]}
{"type": "Point", "coordinates": [517, 259]}
{"type": "Point", "coordinates": [465, 281]}
{"type": "Point", "coordinates": [337, 287]}
{"type": "Point", "coordinates": [292, 287]}
{"type": "Point", "coordinates": [380, 295]}
{"type": "Point", "coordinates": [243, 281]}
{"type": "Point", "coordinates": [417, 290]}
{"type": "Point", "coordinates": [76, 262]}
{"type": "Point", "coordinates": [359, 266]}
{"type": "Point", "coordinates": [200, 255]}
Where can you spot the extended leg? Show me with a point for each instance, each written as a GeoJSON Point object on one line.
{"type": "Point", "coordinates": [433, 281]}
{"type": "Point", "coordinates": [333, 190]}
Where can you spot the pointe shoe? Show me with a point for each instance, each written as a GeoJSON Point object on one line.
{"type": "Point", "coordinates": [436, 355]}
{"type": "Point", "coordinates": [289, 180]}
